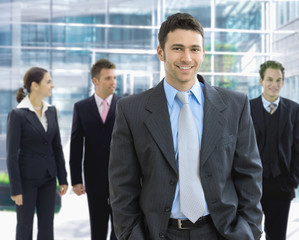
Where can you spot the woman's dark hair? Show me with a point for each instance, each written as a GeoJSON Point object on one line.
{"type": "Point", "coordinates": [34, 74]}
{"type": "Point", "coordinates": [179, 21]}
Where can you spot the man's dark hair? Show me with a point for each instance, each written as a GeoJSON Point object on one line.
{"type": "Point", "coordinates": [178, 21]}
{"type": "Point", "coordinates": [270, 64]}
{"type": "Point", "coordinates": [99, 65]}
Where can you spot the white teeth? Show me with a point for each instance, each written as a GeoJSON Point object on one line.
{"type": "Point", "coordinates": [185, 68]}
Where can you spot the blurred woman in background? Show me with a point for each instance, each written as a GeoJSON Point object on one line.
{"type": "Point", "coordinates": [35, 156]}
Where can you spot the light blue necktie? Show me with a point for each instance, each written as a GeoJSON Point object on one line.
{"type": "Point", "coordinates": [192, 200]}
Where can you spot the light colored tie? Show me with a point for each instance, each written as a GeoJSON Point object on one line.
{"type": "Point", "coordinates": [272, 107]}
{"type": "Point", "coordinates": [192, 200]}
{"type": "Point", "coordinates": [104, 112]}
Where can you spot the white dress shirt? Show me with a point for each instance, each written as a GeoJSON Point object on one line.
{"type": "Point", "coordinates": [25, 103]}
{"type": "Point", "coordinates": [99, 102]}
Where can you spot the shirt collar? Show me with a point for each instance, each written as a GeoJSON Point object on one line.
{"type": "Point", "coordinates": [25, 103]}
{"type": "Point", "coordinates": [171, 92]}
{"type": "Point", "coordinates": [99, 100]}
{"type": "Point", "coordinates": [266, 103]}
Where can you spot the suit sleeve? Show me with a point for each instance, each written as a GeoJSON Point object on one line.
{"type": "Point", "coordinates": [294, 168]}
{"type": "Point", "coordinates": [13, 141]}
{"type": "Point", "coordinates": [124, 181]}
{"type": "Point", "coordinates": [59, 156]}
{"type": "Point", "coordinates": [247, 173]}
{"type": "Point", "coordinates": [76, 148]}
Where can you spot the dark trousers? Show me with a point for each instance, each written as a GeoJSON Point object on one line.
{"type": "Point", "coordinates": [99, 212]}
{"type": "Point", "coordinates": [38, 195]}
{"type": "Point", "coordinates": [276, 212]}
{"type": "Point", "coordinates": [205, 232]}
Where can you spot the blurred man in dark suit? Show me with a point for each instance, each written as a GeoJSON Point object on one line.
{"type": "Point", "coordinates": [93, 121]}
{"type": "Point", "coordinates": [276, 123]}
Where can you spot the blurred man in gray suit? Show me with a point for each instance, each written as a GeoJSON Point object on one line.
{"type": "Point", "coordinates": [151, 197]}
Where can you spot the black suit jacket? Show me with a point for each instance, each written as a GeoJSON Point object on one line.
{"type": "Point", "coordinates": [90, 141]}
{"type": "Point", "coordinates": [288, 135]}
{"type": "Point", "coordinates": [32, 152]}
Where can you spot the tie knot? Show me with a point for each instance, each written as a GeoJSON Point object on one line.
{"type": "Point", "coordinates": [272, 107]}
{"type": "Point", "coordinates": [183, 97]}
{"type": "Point", "coordinates": [104, 102]}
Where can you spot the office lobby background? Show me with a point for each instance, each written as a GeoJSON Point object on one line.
{"type": "Point", "coordinates": [67, 36]}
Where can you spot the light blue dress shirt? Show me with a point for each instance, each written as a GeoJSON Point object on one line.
{"type": "Point", "coordinates": [266, 103]}
{"type": "Point", "coordinates": [196, 101]}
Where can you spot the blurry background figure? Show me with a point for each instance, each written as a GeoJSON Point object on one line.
{"type": "Point", "coordinates": [93, 121]}
{"type": "Point", "coordinates": [35, 156]}
{"type": "Point", "coordinates": [276, 123]}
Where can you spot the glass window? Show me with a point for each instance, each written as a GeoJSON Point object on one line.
{"type": "Point", "coordinates": [199, 9]}
{"type": "Point", "coordinates": [238, 42]}
{"type": "Point", "coordinates": [132, 38]}
{"type": "Point", "coordinates": [235, 14]}
{"type": "Point", "coordinates": [246, 84]}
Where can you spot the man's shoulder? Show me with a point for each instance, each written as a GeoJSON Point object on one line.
{"type": "Point", "coordinates": [84, 101]}
{"type": "Point", "coordinates": [255, 100]}
{"type": "Point", "coordinates": [116, 96]}
{"type": "Point", "coordinates": [136, 98]}
{"type": "Point", "coordinates": [289, 101]}
{"type": "Point", "coordinates": [290, 104]}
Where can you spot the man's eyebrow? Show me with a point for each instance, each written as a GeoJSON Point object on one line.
{"type": "Point", "coordinates": [181, 45]}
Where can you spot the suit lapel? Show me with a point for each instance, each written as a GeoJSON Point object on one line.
{"type": "Point", "coordinates": [283, 116]}
{"type": "Point", "coordinates": [35, 122]}
{"type": "Point", "coordinates": [258, 113]}
{"type": "Point", "coordinates": [159, 125]}
{"type": "Point", "coordinates": [50, 114]}
{"type": "Point", "coordinates": [93, 109]}
{"type": "Point", "coordinates": [213, 121]}
{"type": "Point", "coordinates": [112, 108]}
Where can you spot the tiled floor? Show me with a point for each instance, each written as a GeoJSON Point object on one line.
{"type": "Point", "coordinates": [72, 223]}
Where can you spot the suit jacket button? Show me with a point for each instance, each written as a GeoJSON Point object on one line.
{"type": "Point", "coordinates": [162, 235]}
{"type": "Point", "coordinates": [167, 209]}
{"type": "Point", "coordinates": [172, 182]}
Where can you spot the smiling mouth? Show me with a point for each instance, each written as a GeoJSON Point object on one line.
{"type": "Point", "coordinates": [185, 68]}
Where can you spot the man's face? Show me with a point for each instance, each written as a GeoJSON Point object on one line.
{"type": "Point", "coordinates": [182, 56]}
{"type": "Point", "coordinates": [272, 84]}
{"type": "Point", "coordinates": [105, 83]}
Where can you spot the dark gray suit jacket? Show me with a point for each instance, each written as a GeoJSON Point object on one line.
{"type": "Point", "coordinates": [33, 153]}
{"type": "Point", "coordinates": [143, 171]}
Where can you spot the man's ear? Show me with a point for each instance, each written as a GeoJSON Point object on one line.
{"type": "Point", "coordinates": [160, 53]}
{"type": "Point", "coordinates": [95, 80]}
{"type": "Point", "coordinates": [261, 81]}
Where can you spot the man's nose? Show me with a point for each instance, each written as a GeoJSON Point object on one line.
{"type": "Point", "coordinates": [186, 56]}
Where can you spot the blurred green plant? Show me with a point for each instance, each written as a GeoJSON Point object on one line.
{"type": "Point", "coordinates": [4, 178]}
